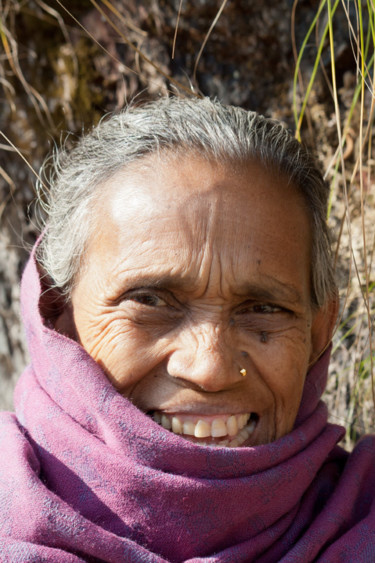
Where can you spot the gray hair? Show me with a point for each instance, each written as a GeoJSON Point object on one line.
{"type": "Point", "coordinates": [172, 124]}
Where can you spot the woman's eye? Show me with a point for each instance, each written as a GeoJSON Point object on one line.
{"type": "Point", "coordinates": [265, 308]}
{"type": "Point", "coordinates": [148, 299]}
{"type": "Point", "coordinates": [260, 308]}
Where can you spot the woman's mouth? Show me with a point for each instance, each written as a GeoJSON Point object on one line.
{"type": "Point", "coordinates": [229, 431]}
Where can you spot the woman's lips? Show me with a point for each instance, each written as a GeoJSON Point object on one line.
{"type": "Point", "coordinates": [235, 429]}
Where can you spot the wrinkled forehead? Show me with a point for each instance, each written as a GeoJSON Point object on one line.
{"type": "Point", "coordinates": [172, 182]}
{"type": "Point", "coordinates": [191, 203]}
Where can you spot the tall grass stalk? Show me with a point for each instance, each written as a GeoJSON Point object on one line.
{"type": "Point", "coordinates": [350, 174]}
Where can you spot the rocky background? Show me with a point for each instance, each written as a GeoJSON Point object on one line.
{"type": "Point", "coordinates": [65, 64]}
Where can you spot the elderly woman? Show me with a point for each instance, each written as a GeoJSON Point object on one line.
{"type": "Point", "coordinates": [179, 308]}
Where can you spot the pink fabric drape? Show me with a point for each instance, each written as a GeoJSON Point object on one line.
{"type": "Point", "coordinates": [86, 476]}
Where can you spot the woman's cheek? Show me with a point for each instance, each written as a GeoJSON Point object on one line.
{"type": "Point", "coordinates": [282, 363]}
{"type": "Point", "coordinates": [284, 343]}
{"type": "Point", "coordinates": [126, 353]}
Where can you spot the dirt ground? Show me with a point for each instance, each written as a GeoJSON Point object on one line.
{"type": "Point", "coordinates": [61, 72]}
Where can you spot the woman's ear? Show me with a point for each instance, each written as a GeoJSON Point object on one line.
{"type": "Point", "coordinates": [323, 324]}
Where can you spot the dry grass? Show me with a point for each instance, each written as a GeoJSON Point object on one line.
{"type": "Point", "coordinates": [348, 167]}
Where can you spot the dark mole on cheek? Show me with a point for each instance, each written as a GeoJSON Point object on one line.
{"type": "Point", "coordinates": [263, 337]}
{"type": "Point", "coordinates": [231, 322]}
{"type": "Point", "coordinates": [244, 354]}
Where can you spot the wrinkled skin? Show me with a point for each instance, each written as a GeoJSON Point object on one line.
{"type": "Point", "coordinates": [196, 270]}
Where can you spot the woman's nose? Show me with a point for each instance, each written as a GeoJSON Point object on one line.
{"type": "Point", "coordinates": [204, 356]}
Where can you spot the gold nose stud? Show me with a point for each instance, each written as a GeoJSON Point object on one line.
{"type": "Point", "coordinates": [243, 372]}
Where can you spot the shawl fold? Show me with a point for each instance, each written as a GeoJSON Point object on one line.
{"type": "Point", "coordinates": [86, 476]}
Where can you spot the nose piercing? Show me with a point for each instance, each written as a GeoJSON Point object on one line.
{"type": "Point", "coordinates": [243, 372]}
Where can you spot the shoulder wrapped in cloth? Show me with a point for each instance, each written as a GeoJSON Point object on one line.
{"type": "Point", "coordinates": [86, 476]}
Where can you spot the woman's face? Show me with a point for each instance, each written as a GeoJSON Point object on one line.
{"type": "Point", "coordinates": [196, 274]}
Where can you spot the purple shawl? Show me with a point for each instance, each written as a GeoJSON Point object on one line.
{"type": "Point", "coordinates": [86, 476]}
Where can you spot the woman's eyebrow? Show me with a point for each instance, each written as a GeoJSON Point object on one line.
{"type": "Point", "coordinates": [269, 290]}
{"type": "Point", "coordinates": [166, 280]}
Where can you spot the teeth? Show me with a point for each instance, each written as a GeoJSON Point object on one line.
{"type": "Point", "coordinates": [236, 429]}
{"type": "Point", "coordinates": [202, 429]}
{"type": "Point", "coordinates": [157, 417]}
{"type": "Point", "coordinates": [251, 426]}
{"type": "Point", "coordinates": [232, 425]}
{"type": "Point", "coordinates": [218, 428]}
{"type": "Point", "coordinates": [223, 443]}
{"type": "Point", "coordinates": [176, 425]}
{"type": "Point", "coordinates": [188, 428]}
{"type": "Point", "coordinates": [244, 434]}
{"type": "Point", "coordinates": [234, 443]}
{"type": "Point", "coordinates": [165, 422]}
{"type": "Point", "coordinates": [243, 418]}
